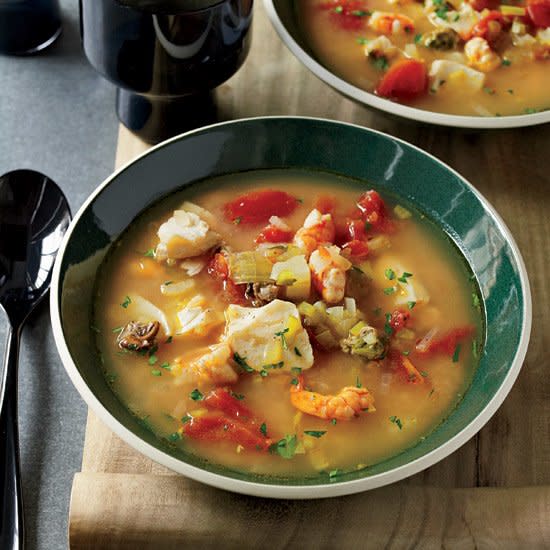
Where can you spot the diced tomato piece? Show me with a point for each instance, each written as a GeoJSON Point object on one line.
{"type": "Point", "coordinates": [274, 234]}
{"type": "Point", "coordinates": [356, 250]}
{"type": "Point", "coordinates": [235, 293]}
{"type": "Point", "coordinates": [326, 204]}
{"type": "Point", "coordinates": [374, 213]}
{"type": "Point", "coordinates": [491, 27]}
{"type": "Point", "coordinates": [406, 79]}
{"type": "Point", "coordinates": [539, 12]}
{"type": "Point", "coordinates": [448, 342]}
{"type": "Point", "coordinates": [221, 400]}
{"type": "Point", "coordinates": [356, 230]}
{"type": "Point", "coordinates": [259, 206]}
{"type": "Point", "coordinates": [218, 428]}
{"type": "Point", "coordinates": [399, 319]}
{"type": "Point", "coordinates": [480, 5]}
{"type": "Point", "coordinates": [350, 15]}
{"type": "Point", "coordinates": [218, 267]}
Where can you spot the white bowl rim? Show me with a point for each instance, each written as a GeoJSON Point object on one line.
{"type": "Point", "coordinates": [392, 107]}
{"type": "Point", "coordinates": [281, 491]}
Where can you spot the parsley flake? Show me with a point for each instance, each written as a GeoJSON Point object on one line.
{"type": "Point", "coordinates": [156, 372]}
{"type": "Point", "coordinates": [456, 353]}
{"type": "Point", "coordinates": [315, 433]}
{"type": "Point", "coordinates": [263, 429]}
{"type": "Point", "coordinates": [389, 290]}
{"type": "Point", "coordinates": [150, 253]}
{"type": "Point", "coordinates": [127, 302]}
{"type": "Point", "coordinates": [285, 447]}
{"type": "Point", "coordinates": [281, 334]}
{"type": "Point", "coordinates": [397, 421]}
{"type": "Point", "coordinates": [390, 274]}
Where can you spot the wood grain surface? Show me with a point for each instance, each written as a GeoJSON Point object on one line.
{"type": "Point", "coordinates": [123, 500]}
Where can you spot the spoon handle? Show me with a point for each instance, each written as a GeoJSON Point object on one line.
{"type": "Point", "coordinates": [12, 531]}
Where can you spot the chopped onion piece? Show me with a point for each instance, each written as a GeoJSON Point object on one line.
{"type": "Point", "coordinates": [176, 289]}
{"type": "Point", "coordinates": [147, 311]}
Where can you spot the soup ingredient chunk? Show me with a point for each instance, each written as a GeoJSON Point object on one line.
{"type": "Point", "coordinates": [211, 367]}
{"type": "Point", "coordinates": [196, 318]}
{"type": "Point", "coordinates": [259, 206]}
{"type": "Point", "coordinates": [227, 420]}
{"type": "Point", "coordinates": [539, 12]}
{"type": "Point", "coordinates": [390, 23]}
{"type": "Point", "coordinates": [185, 235]}
{"type": "Point", "coordinates": [405, 80]}
{"type": "Point", "coordinates": [345, 405]}
{"type": "Point", "coordinates": [328, 270]}
{"type": "Point", "coordinates": [451, 73]}
{"type": "Point", "coordinates": [136, 336]}
{"type": "Point", "coordinates": [317, 229]}
{"type": "Point", "coordinates": [267, 337]}
{"type": "Point", "coordinates": [480, 55]}
{"type": "Point", "coordinates": [363, 340]}
{"type": "Point", "coordinates": [294, 276]}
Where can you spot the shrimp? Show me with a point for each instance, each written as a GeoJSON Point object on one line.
{"type": "Point", "coordinates": [480, 55]}
{"type": "Point", "coordinates": [385, 22]}
{"type": "Point", "coordinates": [317, 229]}
{"type": "Point", "coordinates": [346, 404]}
{"type": "Point", "coordinates": [328, 272]}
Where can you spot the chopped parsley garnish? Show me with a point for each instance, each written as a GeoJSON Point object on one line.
{"type": "Point", "coordinates": [333, 474]}
{"type": "Point", "coordinates": [362, 41]}
{"type": "Point", "coordinates": [423, 373]}
{"type": "Point", "coordinates": [117, 329]}
{"type": "Point", "coordinates": [442, 12]}
{"type": "Point", "coordinates": [475, 300]}
{"type": "Point", "coordinates": [285, 447]}
{"type": "Point", "coordinates": [152, 359]}
{"type": "Point", "coordinates": [529, 111]}
{"type": "Point", "coordinates": [166, 283]}
{"type": "Point", "coordinates": [237, 220]}
{"type": "Point", "coordinates": [263, 429]}
{"type": "Point", "coordinates": [127, 302]}
{"type": "Point", "coordinates": [281, 334]}
{"type": "Point", "coordinates": [169, 340]}
{"type": "Point", "coordinates": [150, 253]}
{"type": "Point", "coordinates": [456, 353]}
{"type": "Point", "coordinates": [175, 436]}
{"type": "Point", "coordinates": [406, 353]}
{"type": "Point", "coordinates": [263, 373]}
{"type": "Point", "coordinates": [166, 366]}
{"type": "Point", "coordinates": [397, 421]}
{"type": "Point", "coordinates": [490, 91]}
{"type": "Point", "coordinates": [510, 91]}
{"type": "Point", "coordinates": [360, 13]}
{"type": "Point", "coordinates": [506, 62]}
{"type": "Point", "coordinates": [278, 365]}
{"type": "Point", "coordinates": [196, 395]}
{"type": "Point", "coordinates": [389, 290]}
{"type": "Point", "coordinates": [358, 383]}
{"type": "Point", "coordinates": [357, 270]}
{"type": "Point", "coordinates": [334, 421]}
{"type": "Point", "coordinates": [111, 377]}
{"type": "Point", "coordinates": [294, 381]}
{"type": "Point", "coordinates": [156, 372]}
{"type": "Point", "coordinates": [388, 329]}
{"type": "Point", "coordinates": [297, 352]}
{"type": "Point", "coordinates": [404, 277]}
{"type": "Point", "coordinates": [380, 62]}
{"type": "Point", "coordinates": [296, 370]}
{"type": "Point", "coordinates": [185, 418]}
{"type": "Point", "coordinates": [411, 304]}
{"type": "Point", "coordinates": [315, 433]}
{"type": "Point", "coordinates": [431, 392]}
{"type": "Point", "coordinates": [238, 396]}
{"type": "Point", "coordinates": [241, 361]}
{"type": "Point", "coordinates": [390, 274]}
{"type": "Point", "coordinates": [339, 9]}
{"type": "Point", "coordinates": [95, 329]}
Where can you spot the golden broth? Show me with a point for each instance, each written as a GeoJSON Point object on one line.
{"type": "Point", "coordinates": [405, 412]}
{"type": "Point", "coordinates": [520, 85]}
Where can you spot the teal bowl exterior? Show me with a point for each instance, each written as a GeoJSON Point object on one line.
{"type": "Point", "coordinates": [381, 161]}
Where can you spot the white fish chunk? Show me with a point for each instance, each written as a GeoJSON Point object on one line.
{"type": "Point", "coordinates": [450, 73]}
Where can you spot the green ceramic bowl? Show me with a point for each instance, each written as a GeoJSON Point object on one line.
{"type": "Point", "coordinates": [384, 162]}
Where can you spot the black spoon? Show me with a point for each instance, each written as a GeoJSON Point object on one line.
{"type": "Point", "coordinates": [34, 215]}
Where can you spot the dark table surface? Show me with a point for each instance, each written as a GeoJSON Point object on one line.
{"type": "Point", "coordinates": [56, 116]}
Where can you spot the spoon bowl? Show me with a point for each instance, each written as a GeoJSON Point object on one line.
{"type": "Point", "coordinates": [34, 215]}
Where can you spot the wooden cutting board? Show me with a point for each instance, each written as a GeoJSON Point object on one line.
{"type": "Point", "coordinates": [494, 492]}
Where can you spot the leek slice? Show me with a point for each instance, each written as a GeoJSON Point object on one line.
{"type": "Point", "coordinates": [249, 267]}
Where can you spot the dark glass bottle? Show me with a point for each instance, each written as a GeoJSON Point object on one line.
{"type": "Point", "coordinates": [165, 57]}
{"type": "Point", "coordinates": [28, 26]}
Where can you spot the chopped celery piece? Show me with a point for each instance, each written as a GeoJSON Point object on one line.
{"type": "Point", "coordinates": [286, 278]}
{"type": "Point", "coordinates": [401, 212]}
{"type": "Point", "coordinates": [249, 267]}
{"type": "Point", "coordinates": [356, 329]}
{"type": "Point", "coordinates": [512, 10]}
{"type": "Point", "coordinates": [307, 310]}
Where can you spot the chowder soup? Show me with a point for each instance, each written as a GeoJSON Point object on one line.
{"type": "Point", "coordinates": [476, 57]}
{"type": "Point", "coordinates": [287, 323]}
